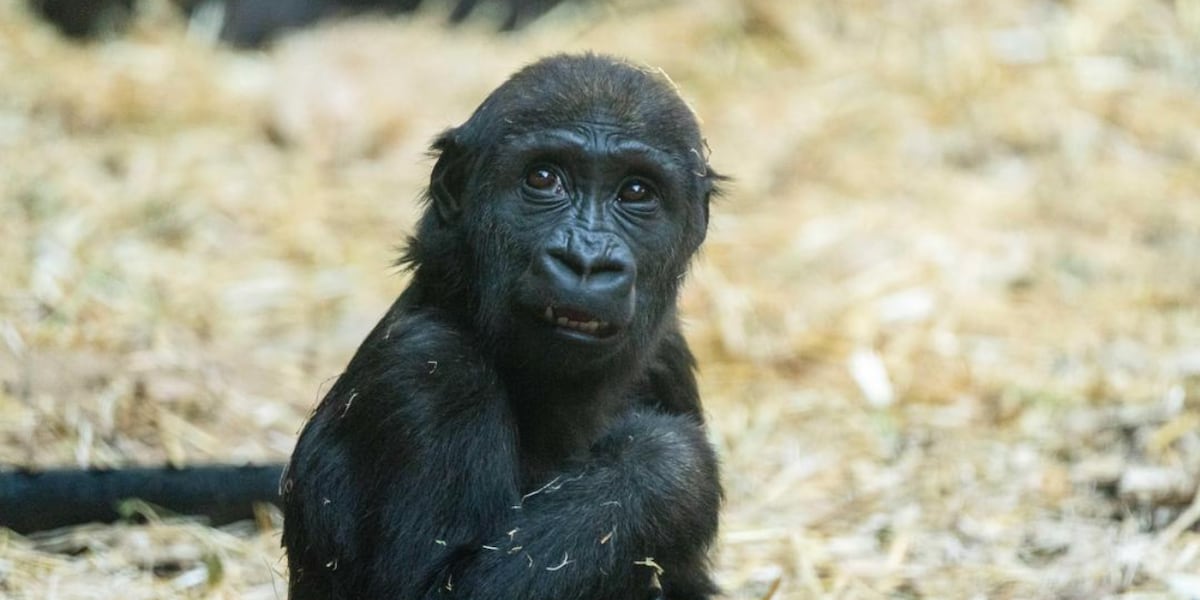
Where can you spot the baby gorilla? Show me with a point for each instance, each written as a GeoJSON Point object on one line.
{"type": "Point", "coordinates": [524, 422]}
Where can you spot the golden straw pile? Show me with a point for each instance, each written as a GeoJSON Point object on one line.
{"type": "Point", "coordinates": [948, 314]}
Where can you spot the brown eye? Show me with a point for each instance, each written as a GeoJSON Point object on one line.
{"type": "Point", "coordinates": [634, 191]}
{"type": "Point", "coordinates": [541, 179]}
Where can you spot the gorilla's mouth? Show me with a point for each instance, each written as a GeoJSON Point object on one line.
{"type": "Point", "coordinates": [578, 320]}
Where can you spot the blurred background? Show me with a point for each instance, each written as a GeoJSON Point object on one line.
{"type": "Point", "coordinates": [947, 316]}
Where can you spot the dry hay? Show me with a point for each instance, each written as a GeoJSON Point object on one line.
{"type": "Point", "coordinates": [947, 314]}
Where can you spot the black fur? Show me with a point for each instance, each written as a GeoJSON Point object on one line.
{"type": "Point", "coordinates": [473, 449]}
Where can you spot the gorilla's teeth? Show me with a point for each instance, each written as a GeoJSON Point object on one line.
{"type": "Point", "coordinates": [589, 327]}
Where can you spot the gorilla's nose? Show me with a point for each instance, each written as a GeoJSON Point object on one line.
{"type": "Point", "coordinates": [592, 264]}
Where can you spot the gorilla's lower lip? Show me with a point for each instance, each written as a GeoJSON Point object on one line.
{"type": "Point", "coordinates": [575, 320]}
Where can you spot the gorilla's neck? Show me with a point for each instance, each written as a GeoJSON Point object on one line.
{"type": "Point", "coordinates": [560, 414]}
{"type": "Point", "coordinates": [559, 419]}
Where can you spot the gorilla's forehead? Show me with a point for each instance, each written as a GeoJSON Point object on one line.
{"type": "Point", "coordinates": [603, 130]}
{"type": "Point", "coordinates": [590, 138]}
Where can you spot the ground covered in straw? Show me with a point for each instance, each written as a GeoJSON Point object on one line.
{"type": "Point", "coordinates": [948, 315]}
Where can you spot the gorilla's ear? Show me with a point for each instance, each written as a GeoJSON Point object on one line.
{"type": "Point", "coordinates": [714, 187]}
{"type": "Point", "coordinates": [448, 180]}
{"type": "Point", "coordinates": [711, 182]}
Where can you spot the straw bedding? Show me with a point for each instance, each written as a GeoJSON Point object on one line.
{"type": "Point", "coordinates": [948, 315]}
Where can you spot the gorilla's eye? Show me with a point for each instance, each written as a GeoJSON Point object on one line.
{"type": "Point", "coordinates": [635, 190]}
{"type": "Point", "coordinates": [541, 178]}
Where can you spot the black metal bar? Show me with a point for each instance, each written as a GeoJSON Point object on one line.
{"type": "Point", "coordinates": [39, 500]}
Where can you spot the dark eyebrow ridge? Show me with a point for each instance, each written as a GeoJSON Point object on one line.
{"type": "Point", "coordinates": [560, 140]}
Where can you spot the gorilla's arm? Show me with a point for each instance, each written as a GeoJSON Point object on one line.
{"type": "Point", "coordinates": [647, 499]}
{"type": "Point", "coordinates": [410, 467]}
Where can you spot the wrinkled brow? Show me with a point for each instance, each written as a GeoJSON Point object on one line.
{"type": "Point", "coordinates": [590, 141]}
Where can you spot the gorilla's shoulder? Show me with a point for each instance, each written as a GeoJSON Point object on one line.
{"type": "Point", "coordinates": [415, 344]}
